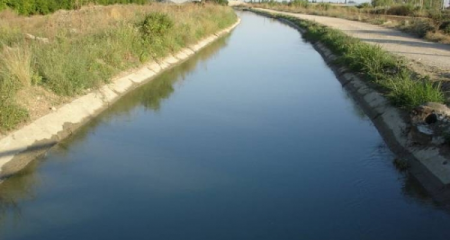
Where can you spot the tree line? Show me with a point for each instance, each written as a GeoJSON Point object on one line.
{"type": "Point", "coordinates": [427, 4]}
{"type": "Point", "coordinates": [30, 7]}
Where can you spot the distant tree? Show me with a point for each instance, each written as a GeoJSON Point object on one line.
{"type": "Point", "coordinates": [28, 7]}
{"type": "Point", "coordinates": [2, 4]}
{"type": "Point", "coordinates": [221, 2]}
{"type": "Point", "coordinates": [382, 3]}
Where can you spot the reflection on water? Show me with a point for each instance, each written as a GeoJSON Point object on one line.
{"type": "Point", "coordinates": [21, 186]}
{"type": "Point", "coordinates": [16, 189]}
{"type": "Point", "coordinates": [253, 138]}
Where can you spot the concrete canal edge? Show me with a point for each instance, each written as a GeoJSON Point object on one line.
{"type": "Point", "coordinates": [20, 147]}
{"type": "Point", "coordinates": [426, 164]}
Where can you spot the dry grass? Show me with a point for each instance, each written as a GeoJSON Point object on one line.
{"type": "Point", "coordinates": [438, 37]}
{"type": "Point", "coordinates": [83, 49]}
{"type": "Point", "coordinates": [15, 65]}
{"type": "Point", "coordinates": [92, 19]}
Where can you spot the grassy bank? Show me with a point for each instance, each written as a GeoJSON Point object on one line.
{"type": "Point", "coordinates": [433, 25]}
{"type": "Point", "coordinates": [45, 60]}
{"type": "Point", "coordinates": [387, 72]}
{"type": "Point", "coordinates": [30, 7]}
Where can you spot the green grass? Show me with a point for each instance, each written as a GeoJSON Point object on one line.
{"type": "Point", "coordinates": [90, 55]}
{"type": "Point", "coordinates": [386, 71]}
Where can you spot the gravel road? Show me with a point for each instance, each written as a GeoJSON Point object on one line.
{"type": "Point", "coordinates": [427, 58]}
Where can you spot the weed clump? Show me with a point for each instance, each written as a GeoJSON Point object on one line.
{"type": "Point", "coordinates": [155, 25]}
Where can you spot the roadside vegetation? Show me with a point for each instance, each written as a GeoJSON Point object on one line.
{"type": "Point", "coordinates": [387, 72]}
{"type": "Point", "coordinates": [426, 20]}
{"type": "Point", "coordinates": [30, 7]}
{"type": "Point", "coordinates": [48, 59]}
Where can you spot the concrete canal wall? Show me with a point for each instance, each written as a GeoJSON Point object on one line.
{"type": "Point", "coordinates": [20, 147]}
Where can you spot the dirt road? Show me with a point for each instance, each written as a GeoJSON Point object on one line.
{"type": "Point", "coordinates": [427, 58]}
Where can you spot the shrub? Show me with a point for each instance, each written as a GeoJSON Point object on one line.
{"type": "Point", "coordinates": [382, 3]}
{"type": "Point", "coordinates": [299, 3]}
{"type": "Point", "coordinates": [324, 6]}
{"type": "Point", "coordinates": [446, 29]}
{"type": "Point", "coordinates": [364, 5]}
{"type": "Point", "coordinates": [371, 60]}
{"type": "Point", "coordinates": [155, 25]}
{"type": "Point", "coordinates": [29, 7]}
{"type": "Point", "coordinates": [401, 10]}
{"type": "Point", "coordinates": [221, 2]}
{"type": "Point", "coordinates": [420, 27]}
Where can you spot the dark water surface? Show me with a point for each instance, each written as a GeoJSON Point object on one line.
{"type": "Point", "coordinates": [254, 138]}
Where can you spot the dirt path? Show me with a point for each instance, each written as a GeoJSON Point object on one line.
{"type": "Point", "coordinates": [427, 58]}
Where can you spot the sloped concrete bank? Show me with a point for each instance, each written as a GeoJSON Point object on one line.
{"type": "Point", "coordinates": [20, 147]}
{"type": "Point", "coordinates": [428, 164]}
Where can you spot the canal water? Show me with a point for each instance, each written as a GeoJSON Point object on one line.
{"type": "Point", "coordinates": [253, 138]}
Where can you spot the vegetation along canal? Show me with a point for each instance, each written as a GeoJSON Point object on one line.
{"type": "Point", "coordinates": [253, 138]}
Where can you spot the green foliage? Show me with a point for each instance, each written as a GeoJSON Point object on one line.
{"type": "Point", "coordinates": [402, 10]}
{"type": "Point", "coordinates": [371, 60]}
{"type": "Point", "coordinates": [364, 5]}
{"type": "Point", "coordinates": [70, 63]}
{"type": "Point", "coordinates": [11, 114]}
{"type": "Point", "coordinates": [30, 7]}
{"type": "Point", "coordinates": [409, 93]}
{"type": "Point", "coordinates": [155, 25]}
{"type": "Point", "coordinates": [299, 3]}
{"type": "Point", "coordinates": [382, 3]}
{"type": "Point", "coordinates": [221, 2]}
{"type": "Point", "coordinates": [323, 6]}
{"type": "Point", "coordinates": [420, 27]}
{"type": "Point", "coordinates": [446, 28]}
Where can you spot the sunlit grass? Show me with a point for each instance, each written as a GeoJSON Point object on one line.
{"type": "Point", "coordinates": [87, 47]}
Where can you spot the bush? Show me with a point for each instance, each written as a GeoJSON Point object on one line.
{"type": "Point", "coordinates": [401, 10]}
{"type": "Point", "coordinates": [420, 27]}
{"type": "Point", "coordinates": [220, 2]}
{"type": "Point", "coordinates": [446, 29]}
{"type": "Point", "coordinates": [382, 3]}
{"type": "Point", "coordinates": [324, 6]}
{"type": "Point", "coordinates": [155, 25]}
{"type": "Point", "coordinates": [29, 7]}
{"type": "Point", "coordinates": [299, 3]}
{"type": "Point", "coordinates": [364, 5]}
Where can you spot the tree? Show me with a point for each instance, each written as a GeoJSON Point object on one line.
{"type": "Point", "coordinates": [382, 3]}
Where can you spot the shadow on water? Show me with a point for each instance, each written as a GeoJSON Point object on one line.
{"type": "Point", "coordinates": [21, 186]}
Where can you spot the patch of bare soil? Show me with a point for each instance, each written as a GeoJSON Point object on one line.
{"type": "Point", "coordinates": [39, 101]}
